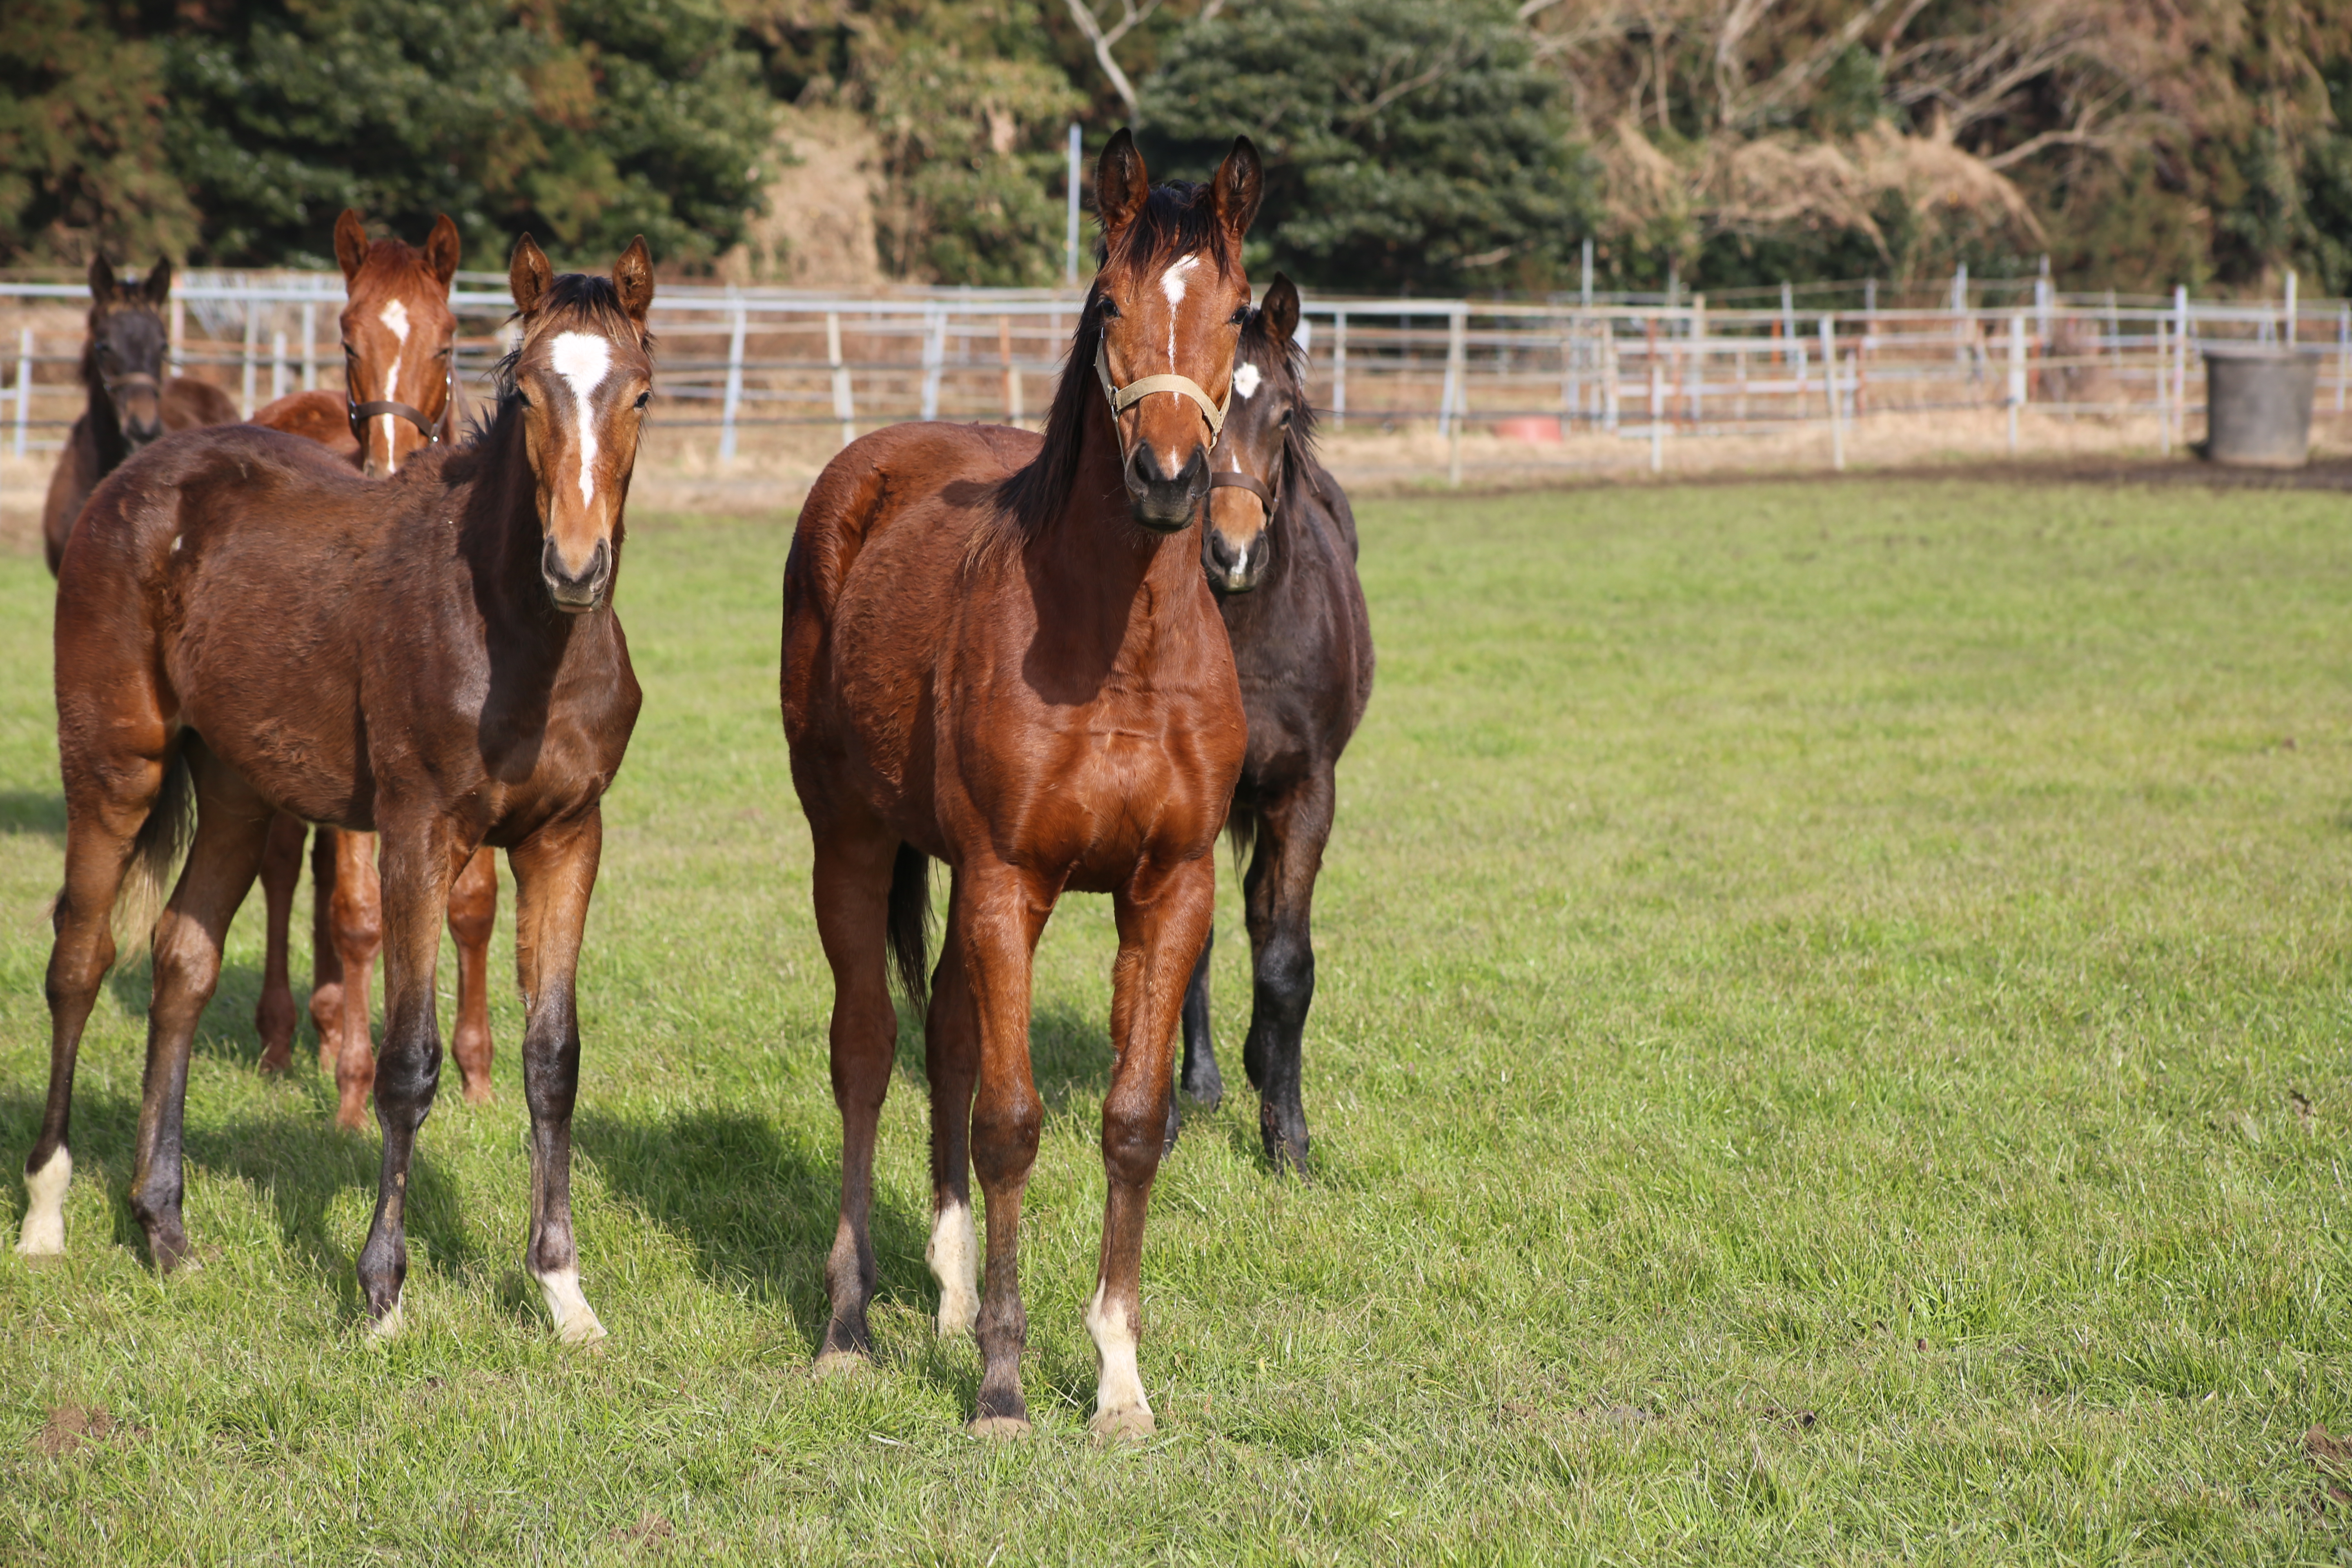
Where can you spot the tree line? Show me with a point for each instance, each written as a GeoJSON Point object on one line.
{"type": "Point", "coordinates": [1425, 146]}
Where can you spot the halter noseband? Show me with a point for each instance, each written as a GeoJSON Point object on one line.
{"type": "Point", "coordinates": [1123, 398]}
{"type": "Point", "coordinates": [358, 414]}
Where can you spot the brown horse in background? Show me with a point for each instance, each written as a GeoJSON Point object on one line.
{"type": "Point", "coordinates": [433, 658]}
{"type": "Point", "coordinates": [399, 341]}
{"type": "Point", "coordinates": [1000, 652]}
{"type": "Point", "coordinates": [131, 401]}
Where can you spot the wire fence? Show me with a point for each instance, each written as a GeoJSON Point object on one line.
{"type": "Point", "coordinates": [741, 366]}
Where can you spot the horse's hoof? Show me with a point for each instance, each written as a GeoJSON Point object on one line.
{"type": "Point", "coordinates": [993, 1426]}
{"type": "Point", "coordinates": [838, 1364]}
{"type": "Point", "coordinates": [43, 1236]}
{"type": "Point", "coordinates": [1131, 1424]}
{"type": "Point", "coordinates": [386, 1329]}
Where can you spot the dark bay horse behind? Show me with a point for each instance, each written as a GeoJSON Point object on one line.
{"type": "Point", "coordinates": [1280, 551]}
{"type": "Point", "coordinates": [131, 401]}
{"type": "Point", "coordinates": [243, 620]}
{"type": "Point", "coordinates": [399, 396]}
{"type": "Point", "coordinates": [1000, 653]}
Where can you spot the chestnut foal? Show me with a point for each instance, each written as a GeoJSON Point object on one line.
{"type": "Point", "coordinates": [1000, 652]}
{"type": "Point", "coordinates": [399, 344]}
{"type": "Point", "coordinates": [432, 657]}
{"type": "Point", "coordinates": [131, 401]}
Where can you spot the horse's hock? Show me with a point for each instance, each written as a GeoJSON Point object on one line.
{"type": "Point", "coordinates": [2258, 404]}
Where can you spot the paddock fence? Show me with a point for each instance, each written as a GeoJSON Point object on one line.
{"type": "Point", "coordinates": [745, 367]}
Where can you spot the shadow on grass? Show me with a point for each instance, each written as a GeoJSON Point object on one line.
{"type": "Point", "coordinates": [32, 811]}
{"type": "Point", "coordinates": [226, 1033]}
{"type": "Point", "coordinates": [1069, 1053]}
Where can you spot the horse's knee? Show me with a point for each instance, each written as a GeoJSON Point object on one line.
{"type": "Point", "coordinates": [356, 919]}
{"type": "Point", "coordinates": [187, 962]}
{"type": "Point", "coordinates": [1286, 973]}
{"type": "Point", "coordinates": [1004, 1132]}
{"type": "Point", "coordinates": [474, 905]}
{"type": "Point", "coordinates": [1134, 1137]}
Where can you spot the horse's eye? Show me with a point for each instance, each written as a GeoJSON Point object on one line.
{"type": "Point", "coordinates": [349, 351]}
{"type": "Point", "coordinates": [1239, 316]}
{"type": "Point", "coordinates": [522, 399]}
{"type": "Point", "coordinates": [1109, 308]}
{"type": "Point", "coordinates": [644, 397]}
{"type": "Point", "coordinates": [1285, 418]}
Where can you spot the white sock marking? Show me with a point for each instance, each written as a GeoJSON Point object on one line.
{"type": "Point", "coordinates": [954, 1256]}
{"type": "Point", "coordinates": [1120, 1387]}
{"type": "Point", "coordinates": [583, 360]}
{"type": "Point", "coordinates": [1245, 380]}
{"type": "Point", "coordinates": [45, 1207]}
{"type": "Point", "coordinates": [388, 1326]}
{"type": "Point", "coordinates": [574, 1323]}
{"type": "Point", "coordinates": [1172, 283]}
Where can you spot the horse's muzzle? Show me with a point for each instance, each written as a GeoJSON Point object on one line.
{"type": "Point", "coordinates": [1162, 503]}
{"type": "Point", "coordinates": [576, 594]}
{"type": "Point", "coordinates": [1232, 568]}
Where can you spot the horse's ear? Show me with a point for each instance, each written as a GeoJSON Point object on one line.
{"type": "Point", "coordinates": [1240, 180]}
{"type": "Point", "coordinates": [1281, 307]}
{"type": "Point", "coordinates": [351, 243]}
{"type": "Point", "coordinates": [632, 275]}
{"type": "Point", "coordinates": [442, 249]}
{"type": "Point", "coordinates": [157, 284]}
{"type": "Point", "coordinates": [528, 275]}
{"type": "Point", "coordinates": [101, 279]}
{"type": "Point", "coordinates": [1121, 185]}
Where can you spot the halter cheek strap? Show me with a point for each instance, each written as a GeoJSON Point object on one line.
{"type": "Point", "coordinates": [1123, 398]}
{"type": "Point", "coordinates": [1234, 479]}
{"type": "Point", "coordinates": [358, 414]}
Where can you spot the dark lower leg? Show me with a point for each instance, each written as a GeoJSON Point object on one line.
{"type": "Point", "coordinates": [555, 875]}
{"type": "Point", "coordinates": [473, 912]}
{"type": "Point", "coordinates": [1280, 898]}
{"type": "Point", "coordinates": [325, 967]}
{"type": "Point", "coordinates": [281, 867]}
{"type": "Point", "coordinates": [415, 889]}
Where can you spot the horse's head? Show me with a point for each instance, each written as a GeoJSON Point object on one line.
{"type": "Point", "coordinates": [1269, 420]}
{"type": "Point", "coordinates": [1169, 304]}
{"type": "Point", "coordinates": [583, 374]}
{"type": "Point", "coordinates": [398, 337]}
{"type": "Point", "coordinates": [124, 357]}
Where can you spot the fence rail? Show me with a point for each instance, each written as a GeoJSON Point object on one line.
{"type": "Point", "coordinates": [737, 362]}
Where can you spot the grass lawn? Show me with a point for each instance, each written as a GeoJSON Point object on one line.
{"type": "Point", "coordinates": [1831, 1045]}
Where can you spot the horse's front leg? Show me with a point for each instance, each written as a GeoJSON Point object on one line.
{"type": "Point", "coordinates": [418, 862]}
{"type": "Point", "coordinates": [554, 871]}
{"type": "Point", "coordinates": [1202, 1079]}
{"type": "Point", "coordinates": [1164, 921]}
{"type": "Point", "coordinates": [1279, 896]}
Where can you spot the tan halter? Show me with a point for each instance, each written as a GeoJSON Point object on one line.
{"type": "Point", "coordinates": [1123, 398]}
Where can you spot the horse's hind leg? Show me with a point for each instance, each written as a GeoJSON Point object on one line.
{"type": "Point", "coordinates": [356, 921]}
{"type": "Point", "coordinates": [1164, 919]}
{"type": "Point", "coordinates": [101, 829]}
{"type": "Point", "coordinates": [951, 1064]}
{"type": "Point", "coordinates": [326, 968]}
{"type": "Point", "coordinates": [1199, 1073]}
{"type": "Point", "coordinates": [281, 867]}
{"type": "Point", "coordinates": [996, 918]}
{"type": "Point", "coordinates": [852, 885]}
{"type": "Point", "coordinates": [232, 828]}
{"type": "Point", "coordinates": [554, 871]}
{"type": "Point", "coordinates": [473, 912]}
{"type": "Point", "coordinates": [1279, 895]}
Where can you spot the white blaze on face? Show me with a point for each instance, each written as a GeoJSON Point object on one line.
{"type": "Point", "coordinates": [954, 1256]}
{"type": "Point", "coordinates": [394, 317]}
{"type": "Point", "coordinates": [583, 360]}
{"type": "Point", "coordinates": [1245, 380]}
{"type": "Point", "coordinates": [44, 1230]}
{"type": "Point", "coordinates": [1172, 283]}
{"type": "Point", "coordinates": [1120, 1388]}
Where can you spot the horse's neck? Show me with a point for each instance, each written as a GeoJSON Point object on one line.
{"type": "Point", "coordinates": [105, 426]}
{"type": "Point", "coordinates": [1093, 566]}
{"type": "Point", "coordinates": [505, 547]}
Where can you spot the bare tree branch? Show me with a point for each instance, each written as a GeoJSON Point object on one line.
{"type": "Point", "coordinates": [1082, 13]}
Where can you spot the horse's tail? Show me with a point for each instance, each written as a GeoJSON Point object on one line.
{"type": "Point", "coordinates": [155, 853]}
{"type": "Point", "coordinates": [1241, 825]}
{"type": "Point", "coordinates": [911, 923]}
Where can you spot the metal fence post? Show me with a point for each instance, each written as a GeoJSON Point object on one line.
{"type": "Point", "coordinates": [2181, 330]}
{"type": "Point", "coordinates": [1829, 384]}
{"type": "Point", "coordinates": [842, 408]}
{"type": "Point", "coordinates": [2292, 312]}
{"type": "Point", "coordinates": [24, 385]}
{"type": "Point", "coordinates": [1610, 391]}
{"type": "Point", "coordinates": [179, 335]}
{"type": "Point", "coordinates": [1694, 384]}
{"type": "Point", "coordinates": [738, 325]}
{"type": "Point", "coordinates": [2342, 352]}
{"type": "Point", "coordinates": [1657, 403]}
{"type": "Point", "coordinates": [1339, 370]}
{"type": "Point", "coordinates": [310, 346]}
{"type": "Point", "coordinates": [934, 349]}
{"type": "Point", "coordinates": [280, 372]}
{"type": "Point", "coordinates": [2163, 386]}
{"type": "Point", "coordinates": [1012, 371]}
{"type": "Point", "coordinates": [2016, 374]}
{"type": "Point", "coordinates": [252, 349]}
{"type": "Point", "coordinates": [1457, 395]}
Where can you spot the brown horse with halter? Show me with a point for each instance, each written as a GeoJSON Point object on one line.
{"type": "Point", "coordinates": [399, 398]}
{"type": "Point", "coordinates": [432, 657]}
{"type": "Point", "coordinates": [131, 401]}
{"type": "Point", "coordinates": [1000, 652]}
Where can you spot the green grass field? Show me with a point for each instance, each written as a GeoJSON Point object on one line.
{"type": "Point", "coordinates": [1831, 1045]}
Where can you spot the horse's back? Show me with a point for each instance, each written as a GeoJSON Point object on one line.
{"type": "Point", "coordinates": [882, 478]}
{"type": "Point", "coordinates": [315, 416]}
{"type": "Point", "coordinates": [189, 403]}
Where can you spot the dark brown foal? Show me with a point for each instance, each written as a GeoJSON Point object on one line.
{"type": "Point", "coordinates": [1000, 652]}
{"type": "Point", "coordinates": [432, 657]}
{"type": "Point", "coordinates": [131, 401]}
{"type": "Point", "coordinates": [399, 339]}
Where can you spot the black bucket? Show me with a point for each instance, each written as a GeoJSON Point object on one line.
{"type": "Point", "coordinates": [2258, 404]}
